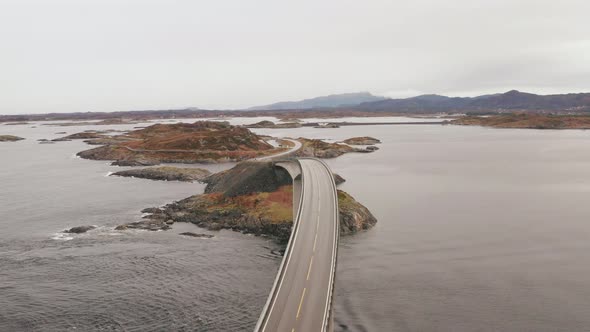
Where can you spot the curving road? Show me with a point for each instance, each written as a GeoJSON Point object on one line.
{"type": "Point", "coordinates": [301, 298]}
{"type": "Point", "coordinates": [297, 146]}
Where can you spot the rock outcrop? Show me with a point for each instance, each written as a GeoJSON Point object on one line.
{"type": "Point", "coordinates": [364, 140]}
{"type": "Point", "coordinates": [10, 138]}
{"type": "Point", "coordinates": [80, 229]}
{"type": "Point", "coordinates": [354, 216]}
{"type": "Point", "coordinates": [166, 173]}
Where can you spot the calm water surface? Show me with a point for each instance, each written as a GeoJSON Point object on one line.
{"type": "Point", "coordinates": [479, 230]}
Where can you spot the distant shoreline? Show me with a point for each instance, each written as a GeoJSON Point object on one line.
{"type": "Point", "coordinates": [316, 124]}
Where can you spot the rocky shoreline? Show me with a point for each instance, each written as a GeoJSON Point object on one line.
{"type": "Point", "coordinates": [166, 173]}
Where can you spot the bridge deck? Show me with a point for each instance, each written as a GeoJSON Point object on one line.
{"type": "Point", "coordinates": [301, 298]}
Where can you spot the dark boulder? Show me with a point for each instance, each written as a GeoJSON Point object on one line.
{"type": "Point", "coordinates": [202, 236]}
{"type": "Point", "coordinates": [80, 229]}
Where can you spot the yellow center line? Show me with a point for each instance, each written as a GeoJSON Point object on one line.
{"type": "Point", "coordinates": [317, 227]}
{"type": "Point", "coordinates": [309, 270]}
{"type": "Point", "coordinates": [300, 303]}
{"type": "Point", "coordinates": [315, 240]}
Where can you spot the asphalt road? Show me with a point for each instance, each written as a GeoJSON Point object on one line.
{"type": "Point", "coordinates": [282, 154]}
{"type": "Point", "coordinates": [301, 298]}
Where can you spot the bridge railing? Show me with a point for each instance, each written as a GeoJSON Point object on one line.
{"type": "Point", "coordinates": [329, 312]}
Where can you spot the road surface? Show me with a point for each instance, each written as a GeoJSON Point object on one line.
{"type": "Point", "coordinates": [301, 297]}
{"type": "Point", "coordinates": [283, 154]}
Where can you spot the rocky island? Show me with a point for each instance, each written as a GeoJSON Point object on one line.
{"type": "Point", "coordinates": [272, 125]}
{"type": "Point", "coordinates": [166, 173]}
{"type": "Point", "coordinates": [199, 142]}
{"type": "Point", "coordinates": [252, 197]}
{"type": "Point", "coordinates": [320, 149]}
{"type": "Point", "coordinates": [364, 140]}
{"type": "Point", "coordinates": [10, 138]}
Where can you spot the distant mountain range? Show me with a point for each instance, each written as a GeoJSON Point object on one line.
{"type": "Point", "coordinates": [509, 101]}
{"type": "Point", "coordinates": [356, 104]}
{"type": "Point", "coordinates": [337, 100]}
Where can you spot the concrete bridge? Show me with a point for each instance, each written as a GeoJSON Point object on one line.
{"type": "Point", "coordinates": [302, 295]}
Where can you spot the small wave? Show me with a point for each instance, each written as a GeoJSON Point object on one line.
{"type": "Point", "coordinates": [62, 237]}
{"type": "Point", "coordinates": [108, 174]}
{"type": "Point", "coordinates": [106, 231]}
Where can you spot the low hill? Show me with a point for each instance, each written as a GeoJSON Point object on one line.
{"type": "Point", "coordinates": [336, 100]}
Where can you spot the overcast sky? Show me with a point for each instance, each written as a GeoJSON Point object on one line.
{"type": "Point", "coordinates": [114, 55]}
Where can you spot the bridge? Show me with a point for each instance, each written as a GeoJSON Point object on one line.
{"type": "Point", "coordinates": [302, 294]}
